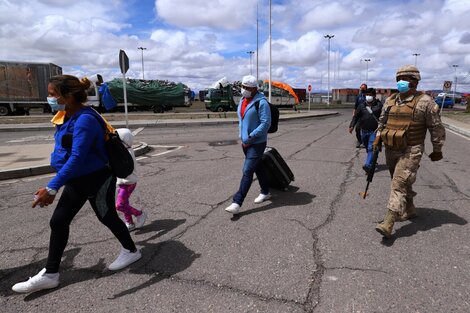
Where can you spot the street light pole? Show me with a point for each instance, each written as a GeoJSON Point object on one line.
{"type": "Point", "coordinates": [455, 77]}
{"type": "Point", "coordinates": [142, 48]}
{"type": "Point", "coordinates": [416, 58]}
{"type": "Point", "coordinates": [270, 55]}
{"type": "Point", "coordinates": [367, 70]}
{"type": "Point", "coordinates": [257, 41]}
{"type": "Point", "coordinates": [251, 64]}
{"type": "Point", "coordinates": [360, 71]}
{"type": "Point", "coordinates": [329, 38]}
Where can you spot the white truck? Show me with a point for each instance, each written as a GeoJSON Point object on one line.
{"type": "Point", "coordinates": [23, 85]}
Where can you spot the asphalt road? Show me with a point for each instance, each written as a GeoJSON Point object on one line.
{"type": "Point", "coordinates": [313, 248]}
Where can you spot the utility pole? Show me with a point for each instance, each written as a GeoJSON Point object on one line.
{"type": "Point", "coordinates": [251, 64]}
{"type": "Point", "coordinates": [367, 69]}
{"type": "Point", "coordinates": [329, 38]}
{"type": "Point", "coordinates": [270, 55]}
{"type": "Point", "coordinates": [257, 41]}
{"type": "Point", "coordinates": [142, 48]}
{"type": "Point", "coordinates": [416, 58]}
{"type": "Point", "coordinates": [455, 76]}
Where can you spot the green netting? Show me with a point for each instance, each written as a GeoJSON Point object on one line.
{"type": "Point", "coordinates": [149, 92]}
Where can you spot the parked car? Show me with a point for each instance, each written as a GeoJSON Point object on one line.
{"type": "Point", "coordinates": [448, 102]}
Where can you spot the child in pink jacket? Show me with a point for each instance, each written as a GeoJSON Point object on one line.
{"type": "Point", "coordinates": [126, 186]}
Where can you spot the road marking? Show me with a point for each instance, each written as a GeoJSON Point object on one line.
{"type": "Point", "coordinates": [32, 138]}
{"type": "Point", "coordinates": [169, 149]}
{"type": "Point", "coordinates": [137, 131]}
{"type": "Point", "coordinates": [455, 133]}
{"type": "Point", "coordinates": [175, 148]}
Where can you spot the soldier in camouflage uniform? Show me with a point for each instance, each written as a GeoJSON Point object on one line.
{"type": "Point", "coordinates": [403, 123]}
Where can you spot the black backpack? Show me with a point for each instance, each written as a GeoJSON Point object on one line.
{"type": "Point", "coordinates": [120, 160]}
{"type": "Point", "coordinates": [274, 116]}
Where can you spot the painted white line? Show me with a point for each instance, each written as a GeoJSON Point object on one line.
{"type": "Point", "coordinates": [176, 148]}
{"type": "Point", "coordinates": [455, 133]}
{"type": "Point", "coordinates": [137, 131]}
{"type": "Point", "coordinates": [141, 158]}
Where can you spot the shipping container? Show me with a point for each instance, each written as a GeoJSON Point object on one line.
{"type": "Point", "coordinates": [23, 85]}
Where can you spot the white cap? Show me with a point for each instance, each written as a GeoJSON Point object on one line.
{"type": "Point", "coordinates": [249, 81]}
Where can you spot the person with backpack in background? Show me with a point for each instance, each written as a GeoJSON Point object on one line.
{"type": "Point", "coordinates": [366, 118]}
{"type": "Point", "coordinates": [81, 162]}
{"type": "Point", "coordinates": [127, 185]}
{"type": "Point", "coordinates": [254, 121]}
{"type": "Point", "coordinates": [361, 98]}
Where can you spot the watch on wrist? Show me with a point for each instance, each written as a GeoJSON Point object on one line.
{"type": "Point", "coordinates": [51, 192]}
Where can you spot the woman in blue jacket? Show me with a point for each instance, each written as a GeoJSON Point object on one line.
{"type": "Point", "coordinates": [254, 122]}
{"type": "Point", "coordinates": [80, 160]}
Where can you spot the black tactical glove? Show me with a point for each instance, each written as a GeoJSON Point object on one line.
{"type": "Point", "coordinates": [435, 156]}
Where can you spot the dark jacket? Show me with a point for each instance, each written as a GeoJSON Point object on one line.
{"type": "Point", "coordinates": [364, 119]}
{"type": "Point", "coordinates": [361, 98]}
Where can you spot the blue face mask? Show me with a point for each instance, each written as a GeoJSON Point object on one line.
{"type": "Point", "coordinates": [54, 104]}
{"type": "Point", "coordinates": [403, 86]}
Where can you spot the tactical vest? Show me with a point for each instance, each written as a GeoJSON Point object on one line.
{"type": "Point", "coordinates": [401, 130]}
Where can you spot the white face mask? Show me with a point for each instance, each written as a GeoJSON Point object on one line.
{"type": "Point", "coordinates": [246, 93]}
{"type": "Point", "coordinates": [369, 98]}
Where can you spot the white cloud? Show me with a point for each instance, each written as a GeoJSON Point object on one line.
{"type": "Point", "coordinates": [220, 14]}
{"type": "Point", "coordinates": [198, 42]}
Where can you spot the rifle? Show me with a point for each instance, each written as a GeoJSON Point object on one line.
{"type": "Point", "coordinates": [371, 172]}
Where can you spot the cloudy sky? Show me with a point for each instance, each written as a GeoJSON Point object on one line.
{"type": "Point", "coordinates": [197, 42]}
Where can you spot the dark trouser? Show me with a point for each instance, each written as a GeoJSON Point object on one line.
{"type": "Point", "coordinates": [253, 156]}
{"type": "Point", "coordinates": [99, 189]}
{"type": "Point", "coordinates": [358, 134]}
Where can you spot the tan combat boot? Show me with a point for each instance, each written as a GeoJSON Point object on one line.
{"type": "Point", "coordinates": [386, 227]}
{"type": "Point", "coordinates": [410, 212]}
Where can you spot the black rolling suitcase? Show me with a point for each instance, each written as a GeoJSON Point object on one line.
{"type": "Point", "coordinates": [278, 172]}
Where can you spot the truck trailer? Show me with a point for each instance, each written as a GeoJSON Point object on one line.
{"type": "Point", "coordinates": [23, 85]}
{"type": "Point", "coordinates": [142, 95]}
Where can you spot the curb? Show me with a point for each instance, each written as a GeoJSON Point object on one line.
{"type": "Point", "coordinates": [168, 122]}
{"type": "Point", "coordinates": [457, 129]}
{"type": "Point", "coordinates": [47, 169]}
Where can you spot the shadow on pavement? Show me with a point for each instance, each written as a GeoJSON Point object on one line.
{"type": "Point", "coordinates": [68, 274]}
{"type": "Point", "coordinates": [289, 197]}
{"type": "Point", "coordinates": [427, 219]}
{"type": "Point", "coordinates": [159, 260]}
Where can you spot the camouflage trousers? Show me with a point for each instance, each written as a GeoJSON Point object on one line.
{"type": "Point", "coordinates": [403, 166]}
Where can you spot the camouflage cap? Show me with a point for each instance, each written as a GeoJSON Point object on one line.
{"type": "Point", "coordinates": [409, 70]}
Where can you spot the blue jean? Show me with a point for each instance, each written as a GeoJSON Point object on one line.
{"type": "Point", "coordinates": [368, 137]}
{"type": "Point", "coordinates": [252, 165]}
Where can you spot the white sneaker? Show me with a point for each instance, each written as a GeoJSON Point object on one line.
{"type": "Point", "coordinates": [261, 198]}
{"type": "Point", "coordinates": [140, 220]}
{"type": "Point", "coordinates": [124, 259]}
{"type": "Point", "coordinates": [234, 208]}
{"type": "Point", "coordinates": [130, 226]}
{"type": "Point", "coordinates": [38, 282]}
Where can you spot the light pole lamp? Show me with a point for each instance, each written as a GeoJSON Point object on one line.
{"type": "Point", "coordinates": [367, 70]}
{"type": "Point", "coordinates": [142, 48]}
{"type": "Point", "coordinates": [329, 38]}
{"type": "Point", "coordinates": [416, 58]}
{"type": "Point", "coordinates": [455, 78]}
{"type": "Point", "coordinates": [251, 64]}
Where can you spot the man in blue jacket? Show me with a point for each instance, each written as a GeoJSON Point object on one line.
{"type": "Point", "coordinates": [254, 118]}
